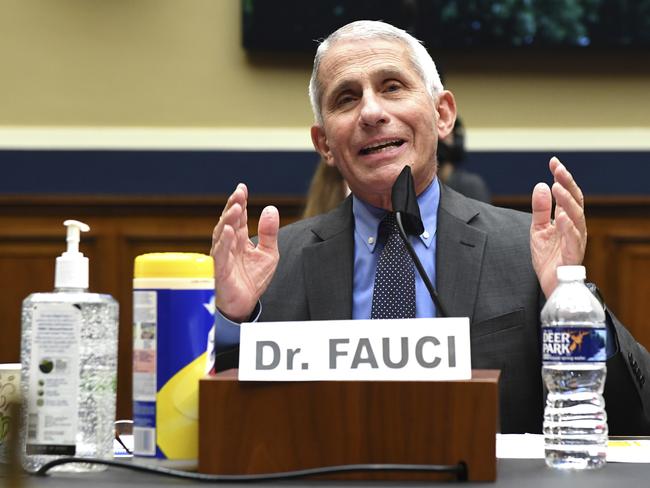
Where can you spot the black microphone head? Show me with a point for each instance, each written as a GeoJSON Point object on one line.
{"type": "Point", "coordinates": [405, 201]}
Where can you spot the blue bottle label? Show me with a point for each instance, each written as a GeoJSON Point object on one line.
{"type": "Point", "coordinates": [574, 344]}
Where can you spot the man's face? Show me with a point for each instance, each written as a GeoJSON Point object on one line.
{"type": "Point", "coordinates": [377, 117]}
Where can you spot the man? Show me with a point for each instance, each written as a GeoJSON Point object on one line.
{"type": "Point", "coordinates": [379, 105]}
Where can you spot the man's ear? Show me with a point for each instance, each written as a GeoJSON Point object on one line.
{"type": "Point", "coordinates": [446, 107]}
{"type": "Point", "coordinates": [319, 140]}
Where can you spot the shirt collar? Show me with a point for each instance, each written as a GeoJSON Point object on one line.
{"type": "Point", "coordinates": [367, 217]}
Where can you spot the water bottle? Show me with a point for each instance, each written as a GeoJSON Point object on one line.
{"type": "Point", "coordinates": [574, 338]}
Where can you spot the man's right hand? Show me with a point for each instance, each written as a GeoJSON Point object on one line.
{"type": "Point", "coordinates": [242, 271]}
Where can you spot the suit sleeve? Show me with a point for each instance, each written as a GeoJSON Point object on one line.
{"type": "Point", "coordinates": [627, 398]}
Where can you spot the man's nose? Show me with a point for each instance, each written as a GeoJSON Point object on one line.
{"type": "Point", "coordinates": [372, 112]}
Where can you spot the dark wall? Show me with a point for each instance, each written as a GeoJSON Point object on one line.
{"type": "Point", "coordinates": [285, 172]}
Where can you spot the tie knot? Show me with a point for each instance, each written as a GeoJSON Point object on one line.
{"type": "Point", "coordinates": [388, 225]}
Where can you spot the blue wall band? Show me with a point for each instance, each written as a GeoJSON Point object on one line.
{"type": "Point", "coordinates": [190, 172]}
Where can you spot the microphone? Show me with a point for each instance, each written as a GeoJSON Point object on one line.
{"type": "Point", "coordinates": [409, 221]}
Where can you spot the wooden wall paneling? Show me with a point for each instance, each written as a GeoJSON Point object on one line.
{"type": "Point", "coordinates": [594, 262]}
{"type": "Point", "coordinates": [104, 271]}
{"type": "Point", "coordinates": [28, 251]}
{"type": "Point", "coordinates": [122, 227]}
{"type": "Point", "coordinates": [635, 290]}
{"type": "Point", "coordinates": [628, 268]}
{"type": "Point", "coordinates": [32, 235]}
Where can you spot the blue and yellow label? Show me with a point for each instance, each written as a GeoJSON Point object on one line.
{"type": "Point", "coordinates": [173, 312]}
{"type": "Point", "coordinates": [170, 339]}
{"type": "Point", "coordinates": [574, 344]}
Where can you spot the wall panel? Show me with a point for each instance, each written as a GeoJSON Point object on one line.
{"type": "Point", "coordinates": [32, 235]}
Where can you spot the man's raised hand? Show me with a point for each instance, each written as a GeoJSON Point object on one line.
{"type": "Point", "coordinates": [242, 270]}
{"type": "Point", "coordinates": [563, 240]}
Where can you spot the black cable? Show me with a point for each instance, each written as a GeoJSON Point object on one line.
{"type": "Point", "coordinates": [459, 470]}
{"type": "Point", "coordinates": [119, 440]}
{"type": "Point", "coordinates": [427, 282]}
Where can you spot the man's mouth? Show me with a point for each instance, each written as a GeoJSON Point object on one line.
{"type": "Point", "coordinates": [375, 148]}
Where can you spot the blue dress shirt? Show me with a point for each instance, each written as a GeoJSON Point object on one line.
{"type": "Point", "coordinates": [367, 251]}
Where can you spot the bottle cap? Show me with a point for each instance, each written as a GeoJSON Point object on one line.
{"type": "Point", "coordinates": [571, 273]}
{"type": "Point", "coordinates": [71, 269]}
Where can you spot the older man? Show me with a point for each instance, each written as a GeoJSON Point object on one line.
{"type": "Point", "coordinates": [379, 105]}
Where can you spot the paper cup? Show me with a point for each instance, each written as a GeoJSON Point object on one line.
{"type": "Point", "coordinates": [9, 393]}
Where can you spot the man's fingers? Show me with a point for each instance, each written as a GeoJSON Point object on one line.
{"type": "Point", "coordinates": [221, 250]}
{"type": "Point", "coordinates": [567, 203]}
{"type": "Point", "coordinates": [542, 203]}
{"type": "Point", "coordinates": [573, 239]}
{"type": "Point", "coordinates": [242, 227]}
{"type": "Point", "coordinates": [567, 227]}
{"type": "Point", "coordinates": [267, 229]}
{"type": "Point", "coordinates": [568, 196]}
{"type": "Point", "coordinates": [242, 196]}
{"type": "Point", "coordinates": [562, 176]}
{"type": "Point", "coordinates": [238, 197]}
{"type": "Point", "coordinates": [231, 217]}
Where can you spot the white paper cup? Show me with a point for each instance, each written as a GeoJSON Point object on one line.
{"type": "Point", "coordinates": [9, 393]}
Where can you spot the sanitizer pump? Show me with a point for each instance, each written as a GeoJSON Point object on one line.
{"type": "Point", "coordinates": [69, 366]}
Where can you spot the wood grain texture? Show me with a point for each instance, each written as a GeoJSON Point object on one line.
{"type": "Point", "coordinates": [32, 236]}
{"type": "Point", "coordinates": [247, 428]}
{"type": "Point", "coordinates": [122, 227]}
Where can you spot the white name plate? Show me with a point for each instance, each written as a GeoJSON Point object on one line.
{"type": "Point", "coordinates": [352, 350]}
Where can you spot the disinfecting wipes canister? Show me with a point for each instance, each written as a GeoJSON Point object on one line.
{"type": "Point", "coordinates": [173, 311]}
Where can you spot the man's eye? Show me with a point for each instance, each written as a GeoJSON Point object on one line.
{"type": "Point", "coordinates": [344, 100]}
{"type": "Point", "coordinates": [393, 87]}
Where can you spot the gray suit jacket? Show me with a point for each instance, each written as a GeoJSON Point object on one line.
{"type": "Point", "coordinates": [484, 272]}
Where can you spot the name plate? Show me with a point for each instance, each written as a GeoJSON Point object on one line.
{"type": "Point", "coordinates": [352, 350]}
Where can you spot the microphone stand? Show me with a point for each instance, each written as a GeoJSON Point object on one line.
{"type": "Point", "coordinates": [427, 282]}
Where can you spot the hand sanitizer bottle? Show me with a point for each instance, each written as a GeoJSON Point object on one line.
{"type": "Point", "coordinates": [69, 365]}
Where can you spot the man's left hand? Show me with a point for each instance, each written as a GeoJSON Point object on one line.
{"type": "Point", "coordinates": [561, 241]}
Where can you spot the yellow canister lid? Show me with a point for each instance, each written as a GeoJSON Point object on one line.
{"type": "Point", "coordinates": [173, 265]}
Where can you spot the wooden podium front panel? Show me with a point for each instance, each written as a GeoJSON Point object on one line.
{"type": "Point", "coordinates": [252, 428]}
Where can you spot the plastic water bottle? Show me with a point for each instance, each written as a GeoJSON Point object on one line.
{"type": "Point", "coordinates": [573, 354]}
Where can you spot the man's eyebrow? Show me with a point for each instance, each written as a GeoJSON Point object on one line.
{"type": "Point", "coordinates": [388, 72]}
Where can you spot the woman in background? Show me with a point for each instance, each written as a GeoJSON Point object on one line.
{"type": "Point", "coordinates": [326, 190]}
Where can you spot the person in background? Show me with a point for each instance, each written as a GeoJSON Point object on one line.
{"type": "Point", "coordinates": [451, 153]}
{"type": "Point", "coordinates": [326, 190]}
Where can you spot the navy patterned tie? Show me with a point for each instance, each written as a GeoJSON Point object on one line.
{"type": "Point", "coordinates": [393, 296]}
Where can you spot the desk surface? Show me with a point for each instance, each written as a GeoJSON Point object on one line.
{"type": "Point", "coordinates": [513, 473]}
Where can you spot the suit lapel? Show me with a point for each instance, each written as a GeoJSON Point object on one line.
{"type": "Point", "coordinates": [459, 255]}
{"type": "Point", "coordinates": [328, 264]}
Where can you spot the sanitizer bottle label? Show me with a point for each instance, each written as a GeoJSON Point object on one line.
{"type": "Point", "coordinates": [53, 403]}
